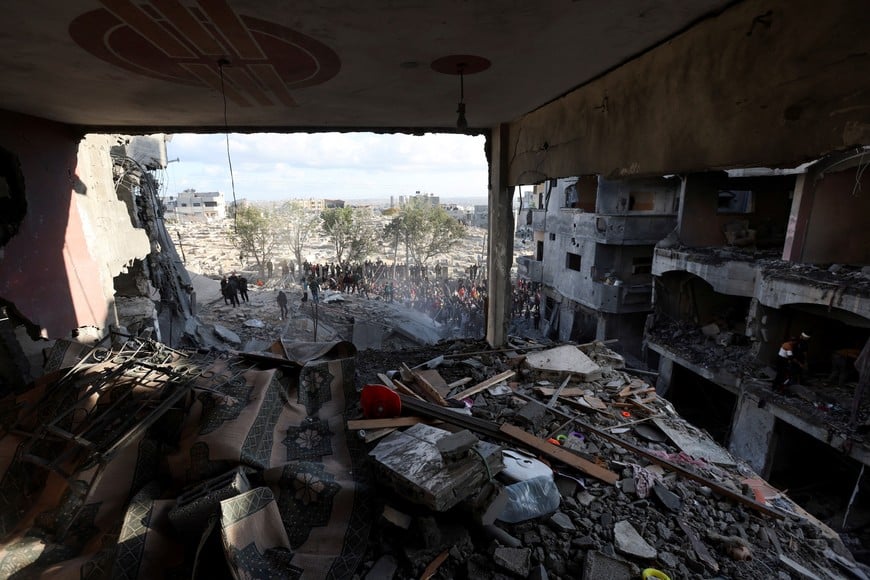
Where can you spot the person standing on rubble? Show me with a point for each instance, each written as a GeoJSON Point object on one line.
{"type": "Point", "coordinates": [314, 286]}
{"type": "Point", "coordinates": [243, 288]}
{"type": "Point", "coordinates": [791, 362]}
{"type": "Point", "coordinates": [282, 304]}
{"type": "Point", "coordinates": [224, 290]}
{"type": "Point", "coordinates": [233, 289]}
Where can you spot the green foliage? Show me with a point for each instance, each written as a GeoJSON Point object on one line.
{"type": "Point", "coordinates": [254, 234]}
{"type": "Point", "coordinates": [352, 234]}
{"type": "Point", "coordinates": [425, 230]}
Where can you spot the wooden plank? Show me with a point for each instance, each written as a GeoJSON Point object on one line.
{"type": "Point", "coordinates": [400, 387]}
{"type": "Point", "coordinates": [387, 381]}
{"type": "Point", "coordinates": [355, 424]}
{"type": "Point", "coordinates": [428, 391]}
{"type": "Point", "coordinates": [715, 486]}
{"type": "Point", "coordinates": [433, 566]}
{"type": "Point", "coordinates": [378, 434]}
{"type": "Point", "coordinates": [482, 386]}
{"type": "Point", "coordinates": [475, 424]}
{"type": "Point", "coordinates": [559, 391]}
{"type": "Point", "coordinates": [569, 392]}
{"type": "Point", "coordinates": [559, 454]}
{"type": "Point", "coordinates": [595, 402]}
{"type": "Point", "coordinates": [460, 382]}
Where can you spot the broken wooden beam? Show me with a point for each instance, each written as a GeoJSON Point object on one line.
{"type": "Point", "coordinates": [715, 486]}
{"type": "Point", "coordinates": [482, 386]}
{"type": "Point", "coordinates": [356, 424]}
{"type": "Point", "coordinates": [559, 454]}
{"type": "Point", "coordinates": [474, 424]}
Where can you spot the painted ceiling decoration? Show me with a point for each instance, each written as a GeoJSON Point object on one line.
{"type": "Point", "coordinates": [179, 43]}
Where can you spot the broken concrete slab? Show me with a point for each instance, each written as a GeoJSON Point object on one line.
{"type": "Point", "coordinates": [227, 335]}
{"type": "Point", "coordinates": [562, 522]}
{"type": "Point", "coordinates": [255, 323]}
{"type": "Point", "coordinates": [564, 360]}
{"type": "Point", "coordinates": [630, 543]}
{"type": "Point", "coordinates": [410, 463]}
{"type": "Point", "coordinates": [514, 560]}
{"type": "Point", "coordinates": [367, 335]}
{"type": "Point", "coordinates": [697, 444]}
{"type": "Point", "coordinates": [598, 565]}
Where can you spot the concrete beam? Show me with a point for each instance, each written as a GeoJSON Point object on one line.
{"type": "Point", "coordinates": [767, 82]}
{"type": "Point", "coordinates": [500, 254]}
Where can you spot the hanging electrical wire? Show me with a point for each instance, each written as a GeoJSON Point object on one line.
{"type": "Point", "coordinates": [221, 63]}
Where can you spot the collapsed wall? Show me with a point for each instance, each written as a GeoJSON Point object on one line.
{"type": "Point", "coordinates": [83, 250]}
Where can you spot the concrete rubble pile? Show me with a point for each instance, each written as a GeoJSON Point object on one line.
{"type": "Point", "coordinates": [534, 461]}
{"type": "Point", "coordinates": [599, 478]}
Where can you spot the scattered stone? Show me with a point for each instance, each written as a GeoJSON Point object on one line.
{"type": "Point", "coordinates": [629, 485]}
{"type": "Point", "coordinates": [630, 543]}
{"type": "Point", "coordinates": [538, 573]}
{"type": "Point", "coordinates": [668, 559]}
{"type": "Point", "coordinates": [227, 335]}
{"type": "Point", "coordinates": [667, 498]}
{"type": "Point", "coordinates": [502, 537]}
{"type": "Point", "coordinates": [384, 568]}
{"type": "Point", "coordinates": [532, 412]}
{"type": "Point", "coordinates": [255, 323]}
{"type": "Point", "coordinates": [598, 566]}
{"type": "Point", "coordinates": [562, 522]}
{"type": "Point", "coordinates": [397, 518]}
{"type": "Point", "coordinates": [586, 499]}
{"type": "Point", "coordinates": [516, 560]}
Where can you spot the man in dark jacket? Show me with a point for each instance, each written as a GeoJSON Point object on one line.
{"type": "Point", "coordinates": [233, 289]}
{"type": "Point", "coordinates": [282, 304]}
{"type": "Point", "coordinates": [243, 288]}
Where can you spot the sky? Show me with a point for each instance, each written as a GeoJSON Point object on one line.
{"type": "Point", "coordinates": [272, 167]}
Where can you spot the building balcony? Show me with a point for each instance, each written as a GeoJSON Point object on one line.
{"type": "Point", "coordinates": [622, 298]}
{"type": "Point", "coordinates": [736, 277]}
{"type": "Point", "coordinates": [632, 229]}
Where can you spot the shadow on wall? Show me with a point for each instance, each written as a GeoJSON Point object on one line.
{"type": "Point", "coordinates": [46, 271]}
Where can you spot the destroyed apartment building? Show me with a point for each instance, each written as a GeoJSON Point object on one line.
{"type": "Point", "coordinates": [138, 441]}
{"type": "Point", "coordinates": [707, 282]}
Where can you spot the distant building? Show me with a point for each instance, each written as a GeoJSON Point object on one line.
{"type": "Point", "coordinates": [196, 205]}
{"type": "Point", "coordinates": [480, 217]}
{"type": "Point", "coordinates": [460, 213]}
{"type": "Point", "coordinates": [421, 199]}
{"type": "Point", "coordinates": [311, 204]}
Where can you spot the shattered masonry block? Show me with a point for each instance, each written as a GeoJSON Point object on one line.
{"type": "Point", "coordinates": [456, 446]}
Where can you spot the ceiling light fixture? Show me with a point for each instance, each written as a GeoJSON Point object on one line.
{"type": "Point", "coordinates": [461, 64]}
{"type": "Point", "coordinates": [461, 121]}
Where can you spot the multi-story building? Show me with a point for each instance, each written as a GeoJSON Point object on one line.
{"type": "Point", "coordinates": [757, 260]}
{"type": "Point", "coordinates": [593, 246]}
{"type": "Point", "coordinates": [196, 205]}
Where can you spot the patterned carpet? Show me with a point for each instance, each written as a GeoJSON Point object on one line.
{"type": "Point", "coordinates": [145, 462]}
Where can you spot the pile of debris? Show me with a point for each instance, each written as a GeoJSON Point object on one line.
{"type": "Point", "coordinates": [560, 464]}
{"type": "Point", "coordinates": [529, 462]}
{"type": "Point", "coordinates": [712, 346]}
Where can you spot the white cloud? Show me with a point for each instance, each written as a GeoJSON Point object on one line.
{"type": "Point", "coordinates": [271, 166]}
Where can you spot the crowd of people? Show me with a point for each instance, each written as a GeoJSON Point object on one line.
{"type": "Point", "coordinates": [234, 289]}
{"type": "Point", "coordinates": [458, 302]}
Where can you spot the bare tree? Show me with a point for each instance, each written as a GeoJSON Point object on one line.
{"type": "Point", "coordinates": [296, 225]}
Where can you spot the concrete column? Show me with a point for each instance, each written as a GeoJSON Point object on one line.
{"type": "Point", "coordinates": [752, 433]}
{"type": "Point", "coordinates": [500, 254]}
{"type": "Point", "coordinates": [699, 201]}
{"type": "Point", "coordinates": [799, 218]}
{"type": "Point", "coordinates": [666, 371]}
